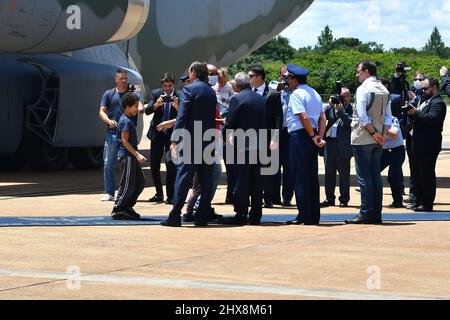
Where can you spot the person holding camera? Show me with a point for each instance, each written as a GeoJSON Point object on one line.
{"type": "Point", "coordinates": [110, 113]}
{"type": "Point", "coordinates": [429, 120]}
{"type": "Point", "coordinates": [399, 90]}
{"type": "Point", "coordinates": [415, 96]}
{"type": "Point", "coordinates": [164, 105]}
{"type": "Point", "coordinates": [338, 150]}
{"type": "Point", "coordinates": [372, 119]}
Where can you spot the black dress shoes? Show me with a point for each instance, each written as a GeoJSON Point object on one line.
{"type": "Point", "coordinates": [169, 201]}
{"type": "Point", "coordinates": [215, 217]}
{"type": "Point", "coordinates": [343, 205]}
{"type": "Point", "coordinates": [287, 204]}
{"type": "Point", "coordinates": [201, 224]}
{"type": "Point", "coordinates": [268, 205]}
{"type": "Point", "coordinates": [422, 209]}
{"type": "Point", "coordinates": [277, 202]}
{"type": "Point", "coordinates": [395, 205]}
{"type": "Point", "coordinates": [327, 204]}
{"type": "Point", "coordinates": [360, 220]}
{"type": "Point", "coordinates": [188, 217]}
{"type": "Point", "coordinates": [295, 222]}
{"type": "Point", "coordinates": [172, 223]}
{"type": "Point", "coordinates": [157, 199]}
{"type": "Point", "coordinates": [235, 221]}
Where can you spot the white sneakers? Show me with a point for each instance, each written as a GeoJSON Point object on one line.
{"type": "Point", "coordinates": [108, 197]}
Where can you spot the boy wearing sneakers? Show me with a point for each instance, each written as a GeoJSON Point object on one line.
{"type": "Point", "coordinates": [132, 180]}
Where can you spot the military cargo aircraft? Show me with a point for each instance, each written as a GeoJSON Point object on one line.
{"type": "Point", "coordinates": [57, 57]}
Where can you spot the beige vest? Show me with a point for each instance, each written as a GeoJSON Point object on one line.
{"type": "Point", "coordinates": [377, 107]}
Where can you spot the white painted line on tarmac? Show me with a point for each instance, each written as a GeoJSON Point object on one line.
{"type": "Point", "coordinates": [215, 286]}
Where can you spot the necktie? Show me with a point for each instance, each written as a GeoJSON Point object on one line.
{"type": "Point", "coordinates": [167, 108]}
{"type": "Point", "coordinates": [256, 90]}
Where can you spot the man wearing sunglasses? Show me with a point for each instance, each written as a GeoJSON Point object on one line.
{"type": "Point", "coordinates": [427, 143]}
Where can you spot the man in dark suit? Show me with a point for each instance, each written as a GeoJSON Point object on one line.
{"type": "Point", "coordinates": [164, 107]}
{"type": "Point", "coordinates": [274, 123]}
{"type": "Point", "coordinates": [427, 143]}
{"type": "Point", "coordinates": [197, 114]}
{"type": "Point", "coordinates": [338, 150]}
{"type": "Point", "coordinates": [247, 113]}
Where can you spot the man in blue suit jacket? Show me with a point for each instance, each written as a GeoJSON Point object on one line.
{"type": "Point", "coordinates": [198, 106]}
{"type": "Point", "coordinates": [247, 112]}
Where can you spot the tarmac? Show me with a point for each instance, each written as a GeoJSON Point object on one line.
{"type": "Point", "coordinates": [58, 242]}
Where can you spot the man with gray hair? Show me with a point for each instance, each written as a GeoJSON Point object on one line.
{"type": "Point", "coordinates": [248, 115]}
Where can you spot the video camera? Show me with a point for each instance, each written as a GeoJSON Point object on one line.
{"type": "Point", "coordinates": [336, 99]}
{"type": "Point", "coordinates": [402, 68]}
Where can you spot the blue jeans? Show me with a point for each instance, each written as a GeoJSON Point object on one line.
{"type": "Point", "coordinates": [368, 172]}
{"type": "Point", "coordinates": [110, 160]}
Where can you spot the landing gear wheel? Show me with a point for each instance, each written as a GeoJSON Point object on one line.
{"type": "Point", "coordinates": [87, 158]}
{"type": "Point", "coordinates": [46, 157]}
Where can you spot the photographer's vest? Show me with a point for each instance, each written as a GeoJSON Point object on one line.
{"type": "Point", "coordinates": [376, 110]}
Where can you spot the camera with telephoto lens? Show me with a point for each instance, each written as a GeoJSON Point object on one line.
{"type": "Point", "coordinates": [131, 88]}
{"type": "Point", "coordinates": [402, 68]}
{"type": "Point", "coordinates": [336, 99]}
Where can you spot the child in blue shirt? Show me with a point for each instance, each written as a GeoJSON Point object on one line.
{"type": "Point", "coordinates": [132, 180]}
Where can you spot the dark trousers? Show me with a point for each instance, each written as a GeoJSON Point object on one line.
{"type": "Point", "coordinates": [183, 182]}
{"type": "Point", "coordinates": [132, 183]}
{"type": "Point", "coordinates": [284, 178]}
{"type": "Point", "coordinates": [425, 169]}
{"type": "Point", "coordinates": [412, 188]}
{"type": "Point", "coordinates": [334, 162]}
{"type": "Point", "coordinates": [368, 171]}
{"type": "Point", "coordinates": [270, 193]}
{"type": "Point", "coordinates": [161, 147]}
{"type": "Point", "coordinates": [248, 184]}
{"type": "Point", "coordinates": [394, 159]}
{"type": "Point", "coordinates": [231, 171]}
{"type": "Point", "coordinates": [305, 171]}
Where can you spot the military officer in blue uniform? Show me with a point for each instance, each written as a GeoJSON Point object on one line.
{"type": "Point", "coordinates": [306, 123]}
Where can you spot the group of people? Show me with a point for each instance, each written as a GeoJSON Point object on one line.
{"type": "Point", "coordinates": [290, 126]}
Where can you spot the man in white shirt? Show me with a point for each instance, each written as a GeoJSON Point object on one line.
{"type": "Point", "coordinates": [372, 118]}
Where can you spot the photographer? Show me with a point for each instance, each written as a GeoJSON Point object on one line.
{"type": "Point", "coordinates": [164, 105]}
{"type": "Point", "coordinates": [110, 113]}
{"type": "Point", "coordinates": [338, 150]}
{"type": "Point", "coordinates": [415, 94]}
{"type": "Point", "coordinates": [399, 90]}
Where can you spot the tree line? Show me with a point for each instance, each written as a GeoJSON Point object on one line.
{"type": "Point", "coordinates": [334, 60]}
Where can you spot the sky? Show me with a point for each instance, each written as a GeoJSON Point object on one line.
{"type": "Point", "coordinates": [394, 23]}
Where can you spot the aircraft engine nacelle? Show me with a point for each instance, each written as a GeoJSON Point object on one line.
{"type": "Point", "coordinates": [51, 26]}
